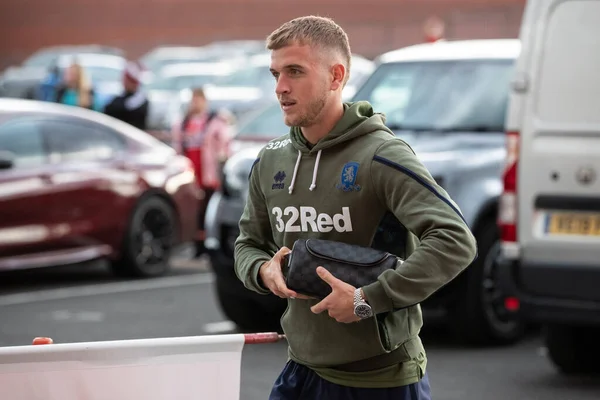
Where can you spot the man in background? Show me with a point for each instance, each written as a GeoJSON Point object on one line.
{"type": "Point", "coordinates": [132, 105]}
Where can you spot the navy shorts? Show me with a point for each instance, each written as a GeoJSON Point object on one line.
{"type": "Point", "coordinates": [297, 382]}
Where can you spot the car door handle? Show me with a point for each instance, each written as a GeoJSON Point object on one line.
{"type": "Point", "coordinates": [46, 178]}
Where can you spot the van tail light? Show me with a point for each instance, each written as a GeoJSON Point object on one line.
{"type": "Point", "coordinates": [512, 304]}
{"type": "Point", "coordinates": [507, 213]}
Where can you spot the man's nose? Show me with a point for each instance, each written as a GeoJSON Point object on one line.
{"type": "Point", "coordinates": [282, 86]}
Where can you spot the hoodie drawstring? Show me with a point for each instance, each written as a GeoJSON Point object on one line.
{"type": "Point", "coordinates": [295, 172]}
{"type": "Point", "coordinates": [314, 181]}
{"type": "Point", "coordinates": [313, 185]}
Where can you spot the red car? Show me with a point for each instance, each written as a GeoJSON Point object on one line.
{"type": "Point", "coordinates": [77, 185]}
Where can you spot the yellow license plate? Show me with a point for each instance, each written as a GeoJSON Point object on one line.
{"type": "Point", "coordinates": [574, 224]}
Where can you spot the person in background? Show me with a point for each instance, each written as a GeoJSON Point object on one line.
{"type": "Point", "coordinates": [434, 29]}
{"type": "Point", "coordinates": [47, 89]}
{"type": "Point", "coordinates": [76, 89]}
{"type": "Point", "coordinates": [203, 136]}
{"type": "Point", "coordinates": [132, 105]}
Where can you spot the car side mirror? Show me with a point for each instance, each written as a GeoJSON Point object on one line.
{"type": "Point", "coordinates": [7, 160]}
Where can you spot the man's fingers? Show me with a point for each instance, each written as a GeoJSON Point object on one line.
{"type": "Point", "coordinates": [282, 252]}
{"type": "Point", "coordinates": [327, 276]}
{"type": "Point", "coordinates": [281, 287]}
{"type": "Point", "coordinates": [320, 306]}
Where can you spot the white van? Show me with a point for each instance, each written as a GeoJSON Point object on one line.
{"type": "Point", "coordinates": [550, 210]}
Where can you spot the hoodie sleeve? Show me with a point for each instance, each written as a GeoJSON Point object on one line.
{"type": "Point", "coordinates": [446, 245]}
{"type": "Point", "coordinates": [254, 246]}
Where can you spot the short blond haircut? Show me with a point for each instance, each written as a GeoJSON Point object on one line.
{"type": "Point", "coordinates": [316, 31]}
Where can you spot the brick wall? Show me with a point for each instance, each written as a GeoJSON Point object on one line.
{"type": "Point", "coordinates": [374, 26]}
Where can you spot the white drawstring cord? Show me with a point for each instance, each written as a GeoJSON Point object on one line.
{"type": "Point", "coordinates": [295, 172]}
{"type": "Point", "coordinates": [315, 170]}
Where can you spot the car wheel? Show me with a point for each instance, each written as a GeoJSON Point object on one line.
{"type": "Point", "coordinates": [573, 350]}
{"type": "Point", "coordinates": [479, 316]}
{"type": "Point", "coordinates": [149, 240]}
{"type": "Point", "coordinates": [246, 313]}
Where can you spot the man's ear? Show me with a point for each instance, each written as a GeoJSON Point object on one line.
{"type": "Point", "coordinates": [338, 75]}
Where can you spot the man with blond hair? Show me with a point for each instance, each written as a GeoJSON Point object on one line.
{"type": "Point", "coordinates": [340, 174]}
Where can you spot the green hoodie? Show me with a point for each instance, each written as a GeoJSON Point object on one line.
{"type": "Point", "coordinates": [345, 188]}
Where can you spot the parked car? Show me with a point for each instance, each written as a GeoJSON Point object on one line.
{"type": "Point", "coordinates": [22, 81]}
{"type": "Point", "coordinates": [162, 56]}
{"type": "Point", "coordinates": [361, 68]}
{"type": "Point", "coordinates": [448, 101]}
{"type": "Point", "coordinates": [173, 81]}
{"type": "Point", "coordinates": [77, 185]}
{"type": "Point", "coordinates": [104, 71]}
{"type": "Point", "coordinates": [550, 214]}
{"type": "Point", "coordinates": [45, 56]}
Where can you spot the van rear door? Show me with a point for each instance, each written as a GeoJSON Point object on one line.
{"type": "Point", "coordinates": [558, 178]}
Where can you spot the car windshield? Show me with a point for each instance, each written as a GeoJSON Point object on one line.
{"type": "Point", "coordinates": [41, 59]}
{"type": "Point", "coordinates": [458, 95]}
{"type": "Point", "coordinates": [356, 77]}
{"type": "Point", "coordinates": [267, 124]}
{"type": "Point", "coordinates": [104, 74]}
{"type": "Point", "coordinates": [47, 58]}
{"type": "Point", "coordinates": [157, 63]}
{"type": "Point", "coordinates": [256, 76]}
{"type": "Point", "coordinates": [180, 82]}
{"type": "Point", "coordinates": [100, 73]}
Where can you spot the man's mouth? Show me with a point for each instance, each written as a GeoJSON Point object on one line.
{"type": "Point", "coordinates": [286, 105]}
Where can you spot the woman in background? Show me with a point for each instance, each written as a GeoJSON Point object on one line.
{"type": "Point", "coordinates": [204, 138]}
{"type": "Point", "coordinates": [76, 89]}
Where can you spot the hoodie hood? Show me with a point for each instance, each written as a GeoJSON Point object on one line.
{"type": "Point", "coordinates": [359, 119]}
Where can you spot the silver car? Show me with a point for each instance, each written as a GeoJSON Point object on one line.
{"type": "Point", "coordinates": [170, 86]}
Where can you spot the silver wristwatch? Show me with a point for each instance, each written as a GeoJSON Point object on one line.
{"type": "Point", "coordinates": [361, 308]}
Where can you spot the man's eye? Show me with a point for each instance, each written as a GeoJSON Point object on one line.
{"type": "Point", "coordinates": [294, 72]}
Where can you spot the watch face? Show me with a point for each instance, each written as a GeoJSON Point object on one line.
{"type": "Point", "coordinates": [363, 311]}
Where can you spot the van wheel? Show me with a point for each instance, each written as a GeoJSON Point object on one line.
{"type": "Point", "coordinates": [573, 350]}
{"type": "Point", "coordinates": [149, 240]}
{"type": "Point", "coordinates": [479, 316]}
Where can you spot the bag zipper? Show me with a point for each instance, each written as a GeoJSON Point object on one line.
{"type": "Point", "coordinates": [344, 261]}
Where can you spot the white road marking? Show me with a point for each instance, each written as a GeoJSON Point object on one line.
{"type": "Point", "coordinates": [220, 327]}
{"type": "Point", "coordinates": [79, 316]}
{"type": "Point", "coordinates": [542, 351]}
{"type": "Point", "coordinates": [103, 289]}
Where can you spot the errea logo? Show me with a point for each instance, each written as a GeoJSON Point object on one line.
{"type": "Point", "coordinates": [307, 219]}
{"type": "Point", "coordinates": [278, 180]}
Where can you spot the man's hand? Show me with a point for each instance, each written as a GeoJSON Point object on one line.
{"type": "Point", "coordinates": [340, 302]}
{"type": "Point", "coordinates": [272, 277]}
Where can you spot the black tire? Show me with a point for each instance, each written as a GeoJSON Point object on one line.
{"type": "Point", "coordinates": [573, 350]}
{"type": "Point", "coordinates": [149, 240]}
{"type": "Point", "coordinates": [249, 315]}
{"type": "Point", "coordinates": [478, 316]}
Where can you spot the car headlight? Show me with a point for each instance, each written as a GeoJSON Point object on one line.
{"type": "Point", "coordinates": [235, 183]}
{"type": "Point", "coordinates": [236, 172]}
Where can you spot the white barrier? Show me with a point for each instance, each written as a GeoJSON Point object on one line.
{"type": "Point", "coordinates": [198, 367]}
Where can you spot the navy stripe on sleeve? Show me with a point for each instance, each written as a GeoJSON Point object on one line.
{"type": "Point", "coordinates": [419, 179]}
{"type": "Point", "coordinates": [252, 168]}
